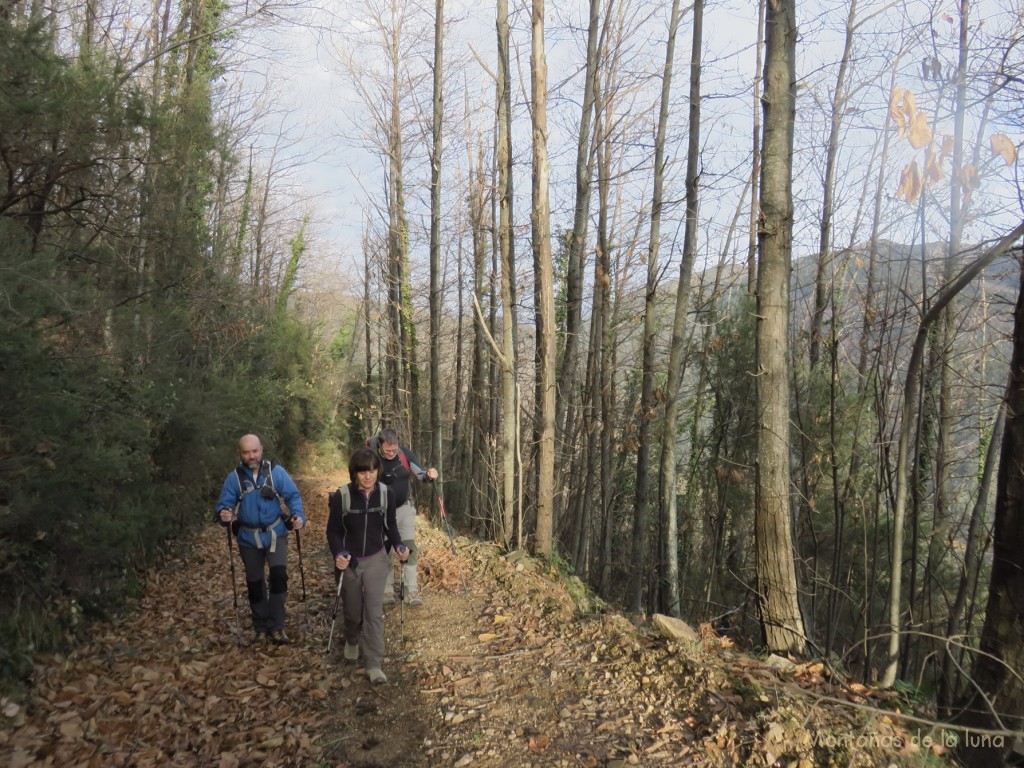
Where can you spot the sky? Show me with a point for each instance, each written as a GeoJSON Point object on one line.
{"type": "Point", "coordinates": [305, 66]}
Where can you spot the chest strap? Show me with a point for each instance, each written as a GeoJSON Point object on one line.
{"type": "Point", "coordinates": [264, 529]}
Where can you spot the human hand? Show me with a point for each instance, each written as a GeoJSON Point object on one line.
{"type": "Point", "coordinates": [341, 560]}
{"type": "Point", "coordinates": [226, 515]}
{"type": "Point", "coordinates": [403, 553]}
{"type": "Point", "coordinates": [431, 474]}
{"type": "Point", "coordinates": [297, 522]}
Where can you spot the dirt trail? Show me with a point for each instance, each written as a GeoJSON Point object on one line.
{"type": "Point", "coordinates": [508, 673]}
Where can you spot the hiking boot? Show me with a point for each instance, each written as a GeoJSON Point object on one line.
{"type": "Point", "coordinates": [260, 638]}
{"type": "Point", "coordinates": [376, 676]}
{"type": "Point", "coordinates": [414, 600]}
{"type": "Point", "coordinates": [389, 598]}
{"type": "Point", "coordinates": [351, 651]}
{"type": "Point", "coordinates": [278, 637]}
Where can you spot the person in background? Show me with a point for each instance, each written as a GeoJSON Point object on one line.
{"type": "Point", "coordinates": [360, 527]}
{"type": "Point", "coordinates": [398, 464]}
{"type": "Point", "coordinates": [261, 503]}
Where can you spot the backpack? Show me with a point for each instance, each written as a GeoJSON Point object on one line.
{"type": "Point", "coordinates": [245, 486]}
{"type": "Point", "coordinates": [346, 501]}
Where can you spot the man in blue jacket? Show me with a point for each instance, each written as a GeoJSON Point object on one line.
{"type": "Point", "coordinates": [261, 503]}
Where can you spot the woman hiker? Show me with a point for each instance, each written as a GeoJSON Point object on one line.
{"type": "Point", "coordinates": [361, 527]}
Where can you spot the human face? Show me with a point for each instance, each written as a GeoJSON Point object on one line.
{"type": "Point", "coordinates": [250, 451]}
{"type": "Point", "coordinates": [389, 450]}
{"type": "Point", "coordinates": [366, 479]}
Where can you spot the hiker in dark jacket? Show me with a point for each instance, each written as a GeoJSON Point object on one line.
{"type": "Point", "coordinates": [261, 503]}
{"type": "Point", "coordinates": [398, 465]}
{"type": "Point", "coordinates": [361, 527]}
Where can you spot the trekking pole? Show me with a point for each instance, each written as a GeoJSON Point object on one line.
{"type": "Point", "coordinates": [451, 536]}
{"type": "Point", "coordinates": [337, 600]}
{"type": "Point", "coordinates": [302, 578]}
{"type": "Point", "coordinates": [401, 600]}
{"type": "Point", "coordinates": [302, 572]}
{"type": "Point", "coordinates": [234, 586]}
{"type": "Point", "coordinates": [289, 523]}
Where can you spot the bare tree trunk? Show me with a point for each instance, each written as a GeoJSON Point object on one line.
{"type": "Point", "coordinates": [458, 395]}
{"type": "Point", "coordinates": [667, 475]}
{"type": "Point", "coordinates": [478, 391]}
{"type": "Point", "coordinates": [755, 166]}
{"type": "Point", "coordinates": [776, 573]}
{"type": "Point", "coordinates": [406, 384]}
{"type": "Point", "coordinates": [972, 563]}
{"type": "Point", "coordinates": [641, 523]}
{"type": "Point", "coordinates": [828, 190]}
{"type": "Point", "coordinates": [435, 247]}
{"type": "Point", "coordinates": [540, 216]}
{"type": "Point", "coordinates": [567, 390]}
{"type": "Point", "coordinates": [600, 428]}
{"type": "Point", "coordinates": [367, 301]}
{"type": "Point", "coordinates": [507, 253]}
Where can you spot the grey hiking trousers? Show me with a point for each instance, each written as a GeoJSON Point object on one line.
{"type": "Point", "coordinates": [406, 516]}
{"type": "Point", "coordinates": [363, 596]}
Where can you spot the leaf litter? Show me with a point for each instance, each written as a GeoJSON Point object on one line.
{"type": "Point", "coordinates": [520, 672]}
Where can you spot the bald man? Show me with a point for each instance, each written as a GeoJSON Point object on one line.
{"type": "Point", "coordinates": [261, 503]}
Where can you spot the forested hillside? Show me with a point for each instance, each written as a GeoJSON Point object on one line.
{"type": "Point", "coordinates": [144, 322]}
{"type": "Point", "coordinates": [716, 307]}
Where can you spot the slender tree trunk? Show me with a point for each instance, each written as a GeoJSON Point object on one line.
{"type": "Point", "coordinates": [367, 302]}
{"type": "Point", "coordinates": [641, 521]}
{"type": "Point", "coordinates": [669, 545]}
{"type": "Point", "coordinates": [567, 389]}
{"type": "Point", "coordinates": [457, 394]}
{"type": "Point", "coordinates": [600, 383]}
{"type": "Point", "coordinates": [507, 254]}
{"type": "Point", "coordinates": [971, 564]}
{"type": "Point", "coordinates": [776, 573]}
{"type": "Point", "coordinates": [540, 216]}
{"type": "Point", "coordinates": [828, 191]}
{"type": "Point", "coordinates": [435, 246]}
{"type": "Point", "coordinates": [478, 392]}
{"type": "Point", "coordinates": [755, 165]}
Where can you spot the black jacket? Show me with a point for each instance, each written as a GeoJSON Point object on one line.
{"type": "Point", "coordinates": [366, 527]}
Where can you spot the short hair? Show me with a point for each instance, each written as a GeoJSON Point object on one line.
{"type": "Point", "coordinates": [361, 461]}
{"type": "Point", "coordinates": [389, 436]}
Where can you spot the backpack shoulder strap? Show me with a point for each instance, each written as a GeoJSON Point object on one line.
{"type": "Point", "coordinates": [346, 501]}
{"type": "Point", "coordinates": [242, 479]}
{"type": "Point", "coordinates": [405, 459]}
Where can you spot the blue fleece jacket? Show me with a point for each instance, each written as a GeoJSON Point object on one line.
{"type": "Point", "coordinates": [253, 510]}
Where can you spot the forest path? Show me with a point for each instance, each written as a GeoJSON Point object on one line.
{"type": "Point", "coordinates": [507, 674]}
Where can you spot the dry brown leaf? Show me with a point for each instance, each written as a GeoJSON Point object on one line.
{"type": "Point", "coordinates": [1002, 146]}
{"type": "Point", "coordinates": [933, 166]}
{"type": "Point", "coordinates": [919, 133]}
{"type": "Point", "coordinates": [947, 148]}
{"type": "Point", "coordinates": [539, 743]}
{"type": "Point", "coordinates": [910, 183]}
{"type": "Point", "coordinates": [971, 178]}
{"type": "Point", "coordinates": [897, 100]}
